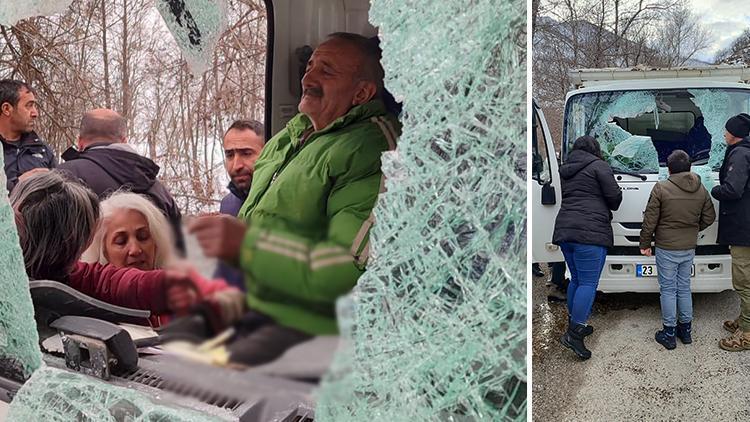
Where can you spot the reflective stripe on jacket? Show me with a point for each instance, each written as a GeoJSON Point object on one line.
{"type": "Point", "coordinates": [309, 213]}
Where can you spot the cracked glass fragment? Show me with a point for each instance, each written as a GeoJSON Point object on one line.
{"type": "Point", "coordinates": [436, 327]}
{"type": "Point", "coordinates": [717, 107]}
{"type": "Point", "coordinates": [635, 152]}
{"type": "Point", "coordinates": [197, 26]}
{"type": "Point", "coordinates": [14, 11]}
{"type": "Point", "coordinates": [637, 130]}
{"type": "Point", "coordinates": [19, 341]}
{"type": "Point", "coordinates": [600, 115]}
{"type": "Point", "coordinates": [55, 395]}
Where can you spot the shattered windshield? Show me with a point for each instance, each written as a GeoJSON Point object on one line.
{"type": "Point", "coordinates": [637, 130]}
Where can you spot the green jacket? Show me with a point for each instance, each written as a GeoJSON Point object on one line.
{"type": "Point", "coordinates": [309, 213]}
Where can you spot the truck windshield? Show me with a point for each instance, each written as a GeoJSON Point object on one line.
{"type": "Point", "coordinates": [637, 130]}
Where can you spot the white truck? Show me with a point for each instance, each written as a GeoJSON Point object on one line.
{"type": "Point", "coordinates": [639, 117]}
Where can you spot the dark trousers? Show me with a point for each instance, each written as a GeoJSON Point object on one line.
{"type": "Point", "coordinates": [558, 275]}
{"type": "Point", "coordinates": [260, 340]}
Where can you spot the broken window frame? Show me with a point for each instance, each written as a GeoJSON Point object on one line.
{"type": "Point", "coordinates": [614, 95]}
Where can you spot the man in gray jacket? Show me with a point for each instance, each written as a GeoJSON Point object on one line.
{"type": "Point", "coordinates": [677, 210]}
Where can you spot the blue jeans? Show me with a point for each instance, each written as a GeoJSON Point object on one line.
{"type": "Point", "coordinates": [673, 268]}
{"type": "Point", "coordinates": [586, 263]}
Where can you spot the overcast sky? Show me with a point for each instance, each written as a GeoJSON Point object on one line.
{"type": "Point", "coordinates": [725, 18]}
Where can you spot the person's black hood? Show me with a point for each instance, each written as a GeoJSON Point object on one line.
{"type": "Point", "coordinates": [127, 168]}
{"type": "Point", "coordinates": [577, 161]}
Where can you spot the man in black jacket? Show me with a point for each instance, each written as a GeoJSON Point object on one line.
{"type": "Point", "coordinates": [733, 194]}
{"type": "Point", "coordinates": [24, 152]}
{"type": "Point", "coordinates": [105, 163]}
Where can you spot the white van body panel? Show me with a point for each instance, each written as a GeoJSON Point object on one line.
{"type": "Point", "coordinates": [543, 216]}
{"type": "Point", "coordinates": [590, 77]}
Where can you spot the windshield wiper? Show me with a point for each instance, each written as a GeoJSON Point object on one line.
{"type": "Point", "coordinates": [615, 170]}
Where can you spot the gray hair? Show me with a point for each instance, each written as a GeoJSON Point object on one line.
{"type": "Point", "coordinates": [370, 68]}
{"type": "Point", "coordinates": [160, 229]}
{"type": "Point", "coordinates": [106, 126]}
{"type": "Point", "coordinates": [55, 218]}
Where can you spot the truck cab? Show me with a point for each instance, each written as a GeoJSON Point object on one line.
{"type": "Point", "coordinates": [639, 117]}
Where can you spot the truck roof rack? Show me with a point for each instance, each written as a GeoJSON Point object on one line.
{"type": "Point", "coordinates": [580, 78]}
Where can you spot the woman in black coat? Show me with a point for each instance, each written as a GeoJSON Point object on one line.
{"type": "Point", "coordinates": [583, 230]}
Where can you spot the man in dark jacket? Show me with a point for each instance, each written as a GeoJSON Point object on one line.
{"type": "Point", "coordinates": [243, 143]}
{"type": "Point", "coordinates": [24, 152]}
{"type": "Point", "coordinates": [105, 163]}
{"type": "Point", "coordinates": [677, 210]}
{"type": "Point", "coordinates": [733, 193]}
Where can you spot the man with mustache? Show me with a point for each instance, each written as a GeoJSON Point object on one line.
{"type": "Point", "coordinates": [24, 151]}
{"type": "Point", "coordinates": [302, 235]}
{"type": "Point", "coordinates": [243, 143]}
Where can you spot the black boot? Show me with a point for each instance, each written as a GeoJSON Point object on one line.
{"type": "Point", "coordinates": [587, 329]}
{"type": "Point", "coordinates": [666, 338]}
{"type": "Point", "coordinates": [683, 332]}
{"type": "Point", "coordinates": [573, 340]}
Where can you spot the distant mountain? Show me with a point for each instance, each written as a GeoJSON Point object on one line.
{"type": "Point", "coordinates": [738, 52]}
{"type": "Point", "coordinates": [587, 45]}
{"type": "Point", "coordinates": [696, 63]}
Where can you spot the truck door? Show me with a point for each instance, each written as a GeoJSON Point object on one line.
{"type": "Point", "coordinates": [545, 195]}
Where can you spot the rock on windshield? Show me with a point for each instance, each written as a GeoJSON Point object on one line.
{"type": "Point", "coordinates": [637, 130]}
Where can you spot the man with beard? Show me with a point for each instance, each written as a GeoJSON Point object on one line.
{"type": "Point", "coordinates": [243, 143]}
{"type": "Point", "coordinates": [25, 153]}
{"type": "Point", "coordinates": [302, 236]}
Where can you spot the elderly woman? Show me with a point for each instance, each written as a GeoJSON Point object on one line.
{"type": "Point", "coordinates": [135, 234]}
{"type": "Point", "coordinates": [56, 219]}
{"type": "Point", "coordinates": [583, 230]}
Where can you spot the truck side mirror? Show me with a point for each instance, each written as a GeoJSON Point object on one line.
{"type": "Point", "coordinates": [548, 194]}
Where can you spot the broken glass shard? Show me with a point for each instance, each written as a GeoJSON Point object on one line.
{"type": "Point", "coordinates": [638, 130]}
{"type": "Point", "coordinates": [197, 26]}
{"type": "Point", "coordinates": [436, 327]}
{"type": "Point", "coordinates": [56, 395]}
{"type": "Point", "coordinates": [19, 342]}
{"type": "Point", "coordinates": [635, 152]}
{"type": "Point", "coordinates": [14, 11]}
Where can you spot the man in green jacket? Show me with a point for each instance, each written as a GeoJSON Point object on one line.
{"type": "Point", "coordinates": [302, 236]}
{"type": "Point", "coordinates": [677, 210]}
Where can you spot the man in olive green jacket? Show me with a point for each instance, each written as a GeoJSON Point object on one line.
{"type": "Point", "coordinates": [302, 235]}
{"type": "Point", "coordinates": [677, 210]}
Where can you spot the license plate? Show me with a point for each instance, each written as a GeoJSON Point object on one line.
{"type": "Point", "coordinates": [649, 270]}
